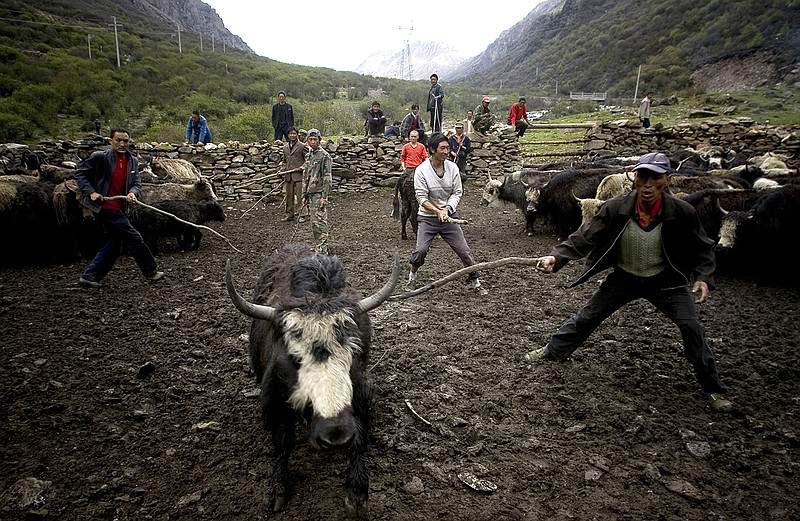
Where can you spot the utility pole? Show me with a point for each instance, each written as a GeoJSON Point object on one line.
{"type": "Point", "coordinates": [406, 56]}
{"type": "Point", "coordinates": [89, 41]}
{"type": "Point", "coordinates": [180, 49]}
{"type": "Point", "coordinates": [116, 37]}
{"type": "Point", "coordinates": [201, 42]}
{"type": "Point", "coordinates": [636, 90]}
{"type": "Point", "coordinates": [212, 42]}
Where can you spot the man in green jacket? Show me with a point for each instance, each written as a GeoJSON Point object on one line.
{"type": "Point", "coordinates": [317, 188]}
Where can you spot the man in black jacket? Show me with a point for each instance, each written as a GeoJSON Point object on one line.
{"type": "Point", "coordinates": [656, 246]}
{"type": "Point", "coordinates": [282, 117]}
{"type": "Point", "coordinates": [114, 172]}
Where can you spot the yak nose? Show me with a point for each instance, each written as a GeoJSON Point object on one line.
{"type": "Point", "coordinates": [335, 437]}
{"type": "Point", "coordinates": [333, 433]}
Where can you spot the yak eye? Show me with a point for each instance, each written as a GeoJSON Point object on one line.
{"type": "Point", "coordinates": [295, 360]}
{"type": "Point", "coordinates": [320, 351]}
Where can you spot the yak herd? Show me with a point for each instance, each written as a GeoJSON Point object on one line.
{"type": "Point", "coordinates": [749, 205]}
{"type": "Point", "coordinates": [43, 220]}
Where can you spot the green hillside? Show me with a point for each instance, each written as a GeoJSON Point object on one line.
{"type": "Point", "coordinates": [49, 86]}
{"type": "Point", "coordinates": [598, 45]}
{"type": "Point", "coordinates": [51, 89]}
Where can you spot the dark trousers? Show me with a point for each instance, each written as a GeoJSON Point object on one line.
{"type": "Point", "coordinates": [281, 132]}
{"type": "Point", "coordinates": [119, 232]}
{"type": "Point", "coordinates": [436, 120]}
{"type": "Point", "coordinates": [428, 229]}
{"type": "Point", "coordinates": [617, 290]}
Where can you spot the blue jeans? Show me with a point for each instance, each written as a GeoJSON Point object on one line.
{"type": "Point", "coordinates": [617, 290]}
{"type": "Point", "coordinates": [119, 232]}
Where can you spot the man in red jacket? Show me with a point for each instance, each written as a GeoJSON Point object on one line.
{"type": "Point", "coordinates": [518, 117]}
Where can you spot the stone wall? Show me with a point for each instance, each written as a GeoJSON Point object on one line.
{"type": "Point", "coordinates": [248, 171]}
{"type": "Point", "coordinates": [627, 137]}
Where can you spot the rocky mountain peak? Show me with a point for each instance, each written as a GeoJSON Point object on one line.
{"type": "Point", "coordinates": [193, 16]}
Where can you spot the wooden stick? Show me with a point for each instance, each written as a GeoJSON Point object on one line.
{"type": "Point", "coordinates": [261, 199]}
{"type": "Point", "coordinates": [268, 176]}
{"type": "Point", "coordinates": [411, 408]}
{"type": "Point", "coordinates": [524, 261]}
{"type": "Point", "coordinates": [198, 226]}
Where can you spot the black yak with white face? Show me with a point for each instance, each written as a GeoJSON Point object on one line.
{"type": "Point", "coordinates": [309, 346]}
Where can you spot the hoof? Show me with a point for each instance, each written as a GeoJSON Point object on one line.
{"type": "Point", "coordinates": [280, 497]}
{"type": "Point", "coordinates": [356, 509]}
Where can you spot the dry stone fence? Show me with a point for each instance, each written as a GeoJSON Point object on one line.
{"type": "Point", "coordinates": [248, 171]}
{"type": "Point", "coordinates": [627, 137]}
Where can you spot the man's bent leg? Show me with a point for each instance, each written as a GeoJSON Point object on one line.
{"type": "Point", "coordinates": [609, 297]}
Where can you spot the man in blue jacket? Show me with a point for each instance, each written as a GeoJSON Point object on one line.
{"type": "Point", "coordinates": [197, 130]}
{"type": "Point", "coordinates": [103, 175]}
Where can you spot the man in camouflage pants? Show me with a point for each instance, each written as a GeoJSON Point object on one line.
{"type": "Point", "coordinates": [317, 188]}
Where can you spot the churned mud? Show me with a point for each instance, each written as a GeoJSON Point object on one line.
{"type": "Point", "coordinates": [135, 401]}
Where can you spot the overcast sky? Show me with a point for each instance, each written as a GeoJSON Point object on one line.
{"type": "Point", "coordinates": [341, 34]}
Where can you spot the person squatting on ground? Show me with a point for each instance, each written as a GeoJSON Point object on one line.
{"type": "Point", "coordinates": [518, 117]}
{"type": "Point", "coordinates": [655, 245]}
{"type": "Point", "coordinates": [437, 185]}
{"type": "Point", "coordinates": [392, 130]}
{"type": "Point", "coordinates": [282, 117]}
{"type": "Point", "coordinates": [294, 157]}
{"type": "Point", "coordinates": [317, 180]}
{"type": "Point", "coordinates": [483, 119]}
{"type": "Point", "coordinates": [412, 121]}
{"type": "Point", "coordinates": [644, 109]}
{"type": "Point", "coordinates": [112, 173]}
{"type": "Point", "coordinates": [435, 98]}
{"type": "Point", "coordinates": [197, 131]}
{"type": "Point", "coordinates": [376, 120]}
{"type": "Point", "coordinates": [460, 147]}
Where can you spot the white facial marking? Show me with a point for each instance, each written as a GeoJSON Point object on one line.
{"type": "Point", "coordinates": [727, 233]}
{"type": "Point", "coordinates": [325, 384]}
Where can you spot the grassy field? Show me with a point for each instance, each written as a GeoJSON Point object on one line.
{"type": "Point", "coordinates": [768, 106]}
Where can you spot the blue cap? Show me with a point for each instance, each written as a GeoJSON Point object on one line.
{"type": "Point", "coordinates": [654, 161]}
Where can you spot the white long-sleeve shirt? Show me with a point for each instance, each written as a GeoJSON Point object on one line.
{"type": "Point", "coordinates": [440, 191]}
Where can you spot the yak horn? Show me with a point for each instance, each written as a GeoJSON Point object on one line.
{"type": "Point", "coordinates": [721, 209]}
{"type": "Point", "coordinates": [373, 301]}
{"type": "Point", "coordinates": [251, 310]}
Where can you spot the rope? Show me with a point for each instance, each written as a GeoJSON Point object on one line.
{"type": "Point", "coordinates": [198, 226]}
{"type": "Point", "coordinates": [524, 261]}
{"type": "Point", "coordinates": [252, 181]}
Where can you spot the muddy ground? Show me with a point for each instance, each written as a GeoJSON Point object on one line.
{"type": "Point", "coordinates": [135, 401]}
